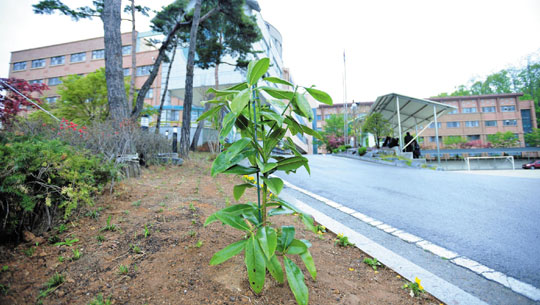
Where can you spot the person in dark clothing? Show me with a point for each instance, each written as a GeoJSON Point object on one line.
{"type": "Point", "coordinates": [408, 138]}
{"type": "Point", "coordinates": [393, 142]}
{"type": "Point", "coordinates": [387, 142]}
{"type": "Point", "coordinates": [416, 150]}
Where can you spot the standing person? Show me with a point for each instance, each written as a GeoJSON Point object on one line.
{"type": "Point", "coordinates": [408, 138]}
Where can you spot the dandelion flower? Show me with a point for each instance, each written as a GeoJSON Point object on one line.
{"type": "Point", "coordinates": [417, 281]}
{"type": "Point", "coordinates": [351, 269]}
{"type": "Point", "coordinates": [376, 272]}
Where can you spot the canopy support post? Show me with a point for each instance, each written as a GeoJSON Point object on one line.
{"type": "Point", "coordinates": [437, 135]}
{"type": "Point", "coordinates": [399, 125]}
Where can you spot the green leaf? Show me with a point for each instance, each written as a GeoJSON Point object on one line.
{"type": "Point", "coordinates": [278, 93]}
{"type": "Point", "coordinates": [235, 221]}
{"type": "Point", "coordinates": [264, 167]}
{"type": "Point", "coordinates": [228, 123]}
{"type": "Point", "coordinates": [277, 80]}
{"type": "Point", "coordinates": [223, 160]}
{"type": "Point", "coordinates": [291, 163]}
{"type": "Point", "coordinates": [240, 101]}
{"type": "Point", "coordinates": [275, 269]}
{"type": "Point", "coordinates": [267, 238]}
{"type": "Point", "coordinates": [219, 93]}
{"type": "Point", "coordinates": [238, 87]}
{"type": "Point", "coordinates": [274, 184]}
{"type": "Point", "coordinates": [310, 265]}
{"type": "Point", "coordinates": [320, 96]}
{"type": "Point", "coordinates": [239, 190]}
{"type": "Point", "coordinates": [312, 132]}
{"type": "Point", "coordinates": [208, 113]}
{"type": "Point", "coordinates": [303, 105]}
{"type": "Point", "coordinates": [256, 70]}
{"type": "Point", "coordinates": [227, 252]}
{"type": "Point", "coordinates": [280, 211]}
{"type": "Point", "coordinates": [295, 278]}
{"type": "Point", "coordinates": [255, 264]}
{"type": "Point", "coordinates": [240, 170]}
{"type": "Point", "coordinates": [308, 222]}
{"type": "Point", "coordinates": [286, 237]}
{"type": "Point", "coordinates": [273, 116]}
{"type": "Point", "coordinates": [296, 247]}
{"type": "Point", "coordinates": [293, 125]}
{"type": "Point", "coordinates": [237, 209]}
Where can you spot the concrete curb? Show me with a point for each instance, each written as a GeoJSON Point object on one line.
{"type": "Point", "coordinates": [515, 285]}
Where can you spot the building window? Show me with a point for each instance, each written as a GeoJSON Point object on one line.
{"type": "Point", "coordinates": [452, 124]}
{"type": "Point", "coordinates": [18, 66]}
{"type": "Point", "coordinates": [98, 54]}
{"type": "Point", "coordinates": [127, 72]}
{"type": "Point", "coordinates": [471, 124]}
{"type": "Point", "coordinates": [432, 125]}
{"type": "Point", "coordinates": [510, 123]}
{"type": "Point", "coordinates": [432, 139]}
{"type": "Point", "coordinates": [488, 109]}
{"type": "Point", "coordinates": [51, 99]}
{"type": "Point", "coordinates": [38, 63]}
{"type": "Point", "coordinates": [36, 81]}
{"type": "Point", "coordinates": [319, 117]}
{"type": "Point", "coordinates": [508, 108]}
{"type": "Point", "coordinates": [326, 117]}
{"type": "Point", "coordinates": [144, 70]}
{"type": "Point", "coordinates": [53, 81]}
{"type": "Point", "coordinates": [78, 57]}
{"type": "Point", "coordinates": [469, 110]}
{"type": "Point", "coordinates": [126, 50]}
{"type": "Point", "coordinates": [491, 123]}
{"type": "Point", "coordinates": [473, 137]}
{"type": "Point", "coordinates": [454, 111]}
{"type": "Point", "coordinates": [58, 60]}
{"type": "Point", "coordinates": [149, 93]}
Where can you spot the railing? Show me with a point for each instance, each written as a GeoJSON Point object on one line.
{"type": "Point", "coordinates": [511, 158]}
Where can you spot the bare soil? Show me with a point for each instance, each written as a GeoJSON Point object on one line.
{"type": "Point", "coordinates": [172, 264]}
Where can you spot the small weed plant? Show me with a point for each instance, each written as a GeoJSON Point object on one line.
{"type": "Point", "coordinates": [342, 241]}
{"type": "Point", "coordinates": [263, 120]}
{"type": "Point", "coordinates": [199, 244]}
{"type": "Point", "coordinates": [5, 268]}
{"type": "Point", "coordinates": [99, 300]}
{"type": "Point", "coordinates": [76, 254]}
{"type": "Point", "coordinates": [4, 289]}
{"type": "Point", "coordinates": [61, 228]}
{"type": "Point", "coordinates": [136, 203]}
{"type": "Point", "coordinates": [146, 231]}
{"type": "Point", "coordinates": [29, 251]}
{"type": "Point", "coordinates": [415, 289]}
{"type": "Point", "coordinates": [60, 259]}
{"type": "Point", "coordinates": [100, 238]}
{"type": "Point", "coordinates": [135, 249]}
{"type": "Point", "coordinates": [109, 226]}
{"type": "Point", "coordinates": [122, 269]}
{"type": "Point", "coordinates": [68, 242]}
{"type": "Point", "coordinates": [372, 262]}
{"type": "Point", "coordinates": [51, 285]}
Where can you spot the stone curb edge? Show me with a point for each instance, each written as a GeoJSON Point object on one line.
{"type": "Point", "coordinates": [462, 261]}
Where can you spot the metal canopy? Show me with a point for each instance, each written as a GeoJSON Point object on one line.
{"type": "Point", "coordinates": [407, 113]}
{"type": "Point", "coordinates": [413, 112]}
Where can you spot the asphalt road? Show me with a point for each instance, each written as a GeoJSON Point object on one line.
{"type": "Point", "coordinates": [494, 220]}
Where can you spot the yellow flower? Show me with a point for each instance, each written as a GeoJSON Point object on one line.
{"type": "Point", "coordinates": [323, 227]}
{"type": "Point", "coordinates": [351, 269]}
{"type": "Point", "coordinates": [376, 272]}
{"type": "Point", "coordinates": [398, 276]}
{"type": "Point", "coordinates": [319, 232]}
{"type": "Point", "coordinates": [417, 281]}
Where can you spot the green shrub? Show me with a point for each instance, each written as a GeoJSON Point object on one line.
{"type": "Point", "coordinates": [41, 180]}
{"type": "Point", "coordinates": [362, 151]}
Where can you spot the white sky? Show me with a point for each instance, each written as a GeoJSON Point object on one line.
{"type": "Point", "coordinates": [416, 47]}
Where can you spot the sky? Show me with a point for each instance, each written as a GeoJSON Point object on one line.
{"type": "Point", "coordinates": [418, 48]}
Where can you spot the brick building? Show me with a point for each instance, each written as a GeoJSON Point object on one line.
{"type": "Point", "coordinates": [50, 63]}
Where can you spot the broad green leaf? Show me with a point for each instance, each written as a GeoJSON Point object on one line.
{"type": "Point", "coordinates": [219, 93]}
{"type": "Point", "coordinates": [278, 104]}
{"type": "Point", "coordinates": [310, 265]}
{"type": "Point", "coordinates": [208, 113]}
{"type": "Point", "coordinates": [264, 167]}
{"type": "Point", "coordinates": [312, 132]}
{"type": "Point", "coordinates": [273, 140]}
{"type": "Point", "coordinates": [240, 101]}
{"type": "Point", "coordinates": [227, 252]}
{"type": "Point", "coordinates": [235, 221]}
{"type": "Point", "coordinates": [278, 93]}
{"type": "Point", "coordinates": [257, 70]}
{"type": "Point", "coordinates": [295, 278]}
{"type": "Point", "coordinates": [240, 170]}
{"type": "Point", "coordinates": [286, 237]}
{"type": "Point", "coordinates": [274, 184]}
{"type": "Point", "coordinates": [237, 209]}
{"type": "Point", "coordinates": [303, 106]}
{"type": "Point", "coordinates": [267, 238]}
{"type": "Point", "coordinates": [280, 211]}
{"type": "Point", "coordinates": [293, 125]}
{"type": "Point", "coordinates": [291, 163]}
{"type": "Point", "coordinates": [308, 222]}
{"type": "Point", "coordinates": [223, 160]}
{"type": "Point", "coordinates": [273, 116]}
{"type": "Point", "coordinates": [228, 123]}
{"type": "Point", "coordinates": [238, 87]}
{"type": "Point", "coordinates": [320, 96]}
{"type": "Point", "coordinates": [255, 264]}
{"type": "Point", "coordinates": [277, 80]}
{"type": "Point", "coordinates": [275, 269]}
{"type": "Point", "coordinates": [296, 247]}
{"type": "Point", "coordinates": [239, 190]}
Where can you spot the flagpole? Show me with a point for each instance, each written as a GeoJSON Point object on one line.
{"type": "Point", "coordinates": [345, 136]}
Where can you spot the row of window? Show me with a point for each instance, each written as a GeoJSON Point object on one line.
{"type": "Point", "coordinates": [475, 124]}
{"type": "Point", "coordinates": [511, 108]}
{"type": "Point", "coordinates": [469, 138]}
{"type": "Point", "coordinates": [60, 60]}
{"type": "Point", "coordinates": [53, 99]}
{"type": "Point", "coordinates": [53, 81]}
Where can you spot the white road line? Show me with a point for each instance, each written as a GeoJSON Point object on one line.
{"type": "Point", "coordinates": [507, 281]}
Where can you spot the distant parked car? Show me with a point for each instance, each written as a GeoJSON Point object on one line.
{"type": "Point", "coordinates": [532, 165]}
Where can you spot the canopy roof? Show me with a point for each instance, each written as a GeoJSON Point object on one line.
{"type": "Point", "coordinates": [412, 111]}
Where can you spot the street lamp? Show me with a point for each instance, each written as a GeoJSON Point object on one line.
{"type": "Point", "coordinates": [353, 108]}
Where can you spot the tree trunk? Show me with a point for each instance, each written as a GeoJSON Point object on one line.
{"type": "Point", "coordinates": [158, 123]}
{"type": "Point", "coordinates": [200, 125]}
{"type": "Point", "coordinates": [188, 99]}
{"type": "Point", "coordinates": [133, 58]}
{"type": "Point", "coordinates": [116, 91]}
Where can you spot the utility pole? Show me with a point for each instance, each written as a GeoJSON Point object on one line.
{"type": "Point", "coordinates": [345, 136]}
